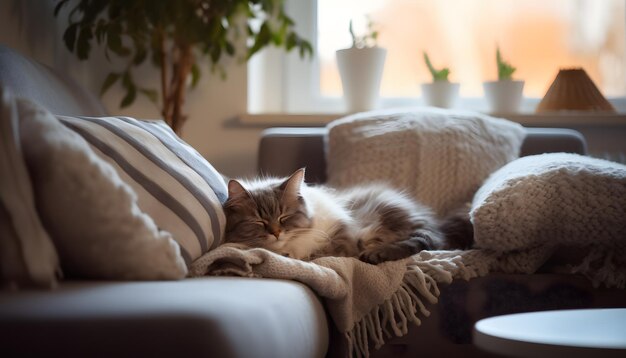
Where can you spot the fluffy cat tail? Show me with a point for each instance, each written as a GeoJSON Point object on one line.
{"type": "Point", "coordinates": [458, 229]}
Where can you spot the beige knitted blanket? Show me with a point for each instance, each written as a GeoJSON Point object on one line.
{"type": "Point", "coordinates": [440, 157]}
{"type": "Point", "coordinates": [370, 303]}
{"type": "Point", "coordinates": [366, 302]}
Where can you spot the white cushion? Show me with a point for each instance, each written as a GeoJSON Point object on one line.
{"type": "Point", "coordinates": [90, 213]}
{"type": "Point", "coordinates": [175, 185]}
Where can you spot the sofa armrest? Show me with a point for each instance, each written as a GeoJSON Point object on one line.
{"type": "Point", "coordinates": [283, 149]}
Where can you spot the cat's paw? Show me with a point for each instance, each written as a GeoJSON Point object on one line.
{"type": "Point", "coordinates": [394, 251]}
{"type": "Point", "coordinates": [422, 240]}
{"type": "Point", "coordinates": [380, 254]}
{"type": "Point", "coordinates": [371, 257]}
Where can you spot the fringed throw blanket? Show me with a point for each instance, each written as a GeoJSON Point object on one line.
{"type": "Point", "coordinates": [366, 302]}
{"type": "Point", "coordinates": [371, 303]}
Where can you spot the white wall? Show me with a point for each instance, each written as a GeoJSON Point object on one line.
{"type": "Point", "coordinates": [29, 27]}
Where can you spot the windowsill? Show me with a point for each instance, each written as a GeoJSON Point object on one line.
{"type": "Point", "coordinates": [566, 118]}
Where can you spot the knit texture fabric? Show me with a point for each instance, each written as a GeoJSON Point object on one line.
{"type": "Point", "coordinates": [438, 156]}
{"type": "Point", "coordinates": [536, 205]}
{"type": "Point", "coordinates": [367, 303]}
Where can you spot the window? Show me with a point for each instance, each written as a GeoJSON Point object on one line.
{"type": "Point", "coordinates": [536, 36]}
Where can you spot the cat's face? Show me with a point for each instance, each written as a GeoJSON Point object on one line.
{"type": "Point", "coordinates": [268, 214]}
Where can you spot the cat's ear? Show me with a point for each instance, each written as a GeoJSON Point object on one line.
{"type": "Point", "coordinates": [236, 190]}
{"type": "Point", "coordinates": [293, 184]}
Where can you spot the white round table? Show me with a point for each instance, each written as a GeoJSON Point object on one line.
{"type": "Point", "coordinates": [564, 333]}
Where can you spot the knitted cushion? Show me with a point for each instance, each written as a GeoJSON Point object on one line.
{"type": "Point", "coordinates": [175, 185]}
{"type": "Point", "coordinates": [90, 213]}
{"type": "Point", "coordinates": [555, 199]}
{"type": "Point", "coordinates": [439, 156]}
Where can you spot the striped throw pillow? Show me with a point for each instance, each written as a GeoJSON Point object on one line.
{"type": "Point", "coordinates": [175, 185]}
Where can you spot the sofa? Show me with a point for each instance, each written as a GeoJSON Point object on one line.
{"type": "Point", "coordinates": [250, 317]}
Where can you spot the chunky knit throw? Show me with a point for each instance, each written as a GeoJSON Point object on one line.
{"type": "Point", "coordinates": [539, 205]}
{"type": "Point", "coordinates": [441, 157]}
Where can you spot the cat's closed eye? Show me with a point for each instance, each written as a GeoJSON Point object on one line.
{"type": "Point", "coordinates": [297, 219]}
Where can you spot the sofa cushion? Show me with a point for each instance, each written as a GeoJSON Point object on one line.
{"type": "Point", "coordinates": [175, 185]}
{"type": "Point", "coordinates": [90, 213]}
{"type": "Point", "coordinates": [555, 198]}
{"type": "Point", "coordinates": [204, 317]}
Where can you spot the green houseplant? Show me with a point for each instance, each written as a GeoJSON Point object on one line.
{"type": "Point", "coordinates": [369, 39]}
{"type": "Point", "coordinates": [440, 92]}
{"type": "Point", "coordinates": [174, 35]}
{"type": "Point", "coordinates": [361, 68]}
{"type": "Point", "coordinates": [438, 75]}
{"type": "Point", "coordinates": [505, 94]}
{"type": "Point", "coordinates": [505, 70]}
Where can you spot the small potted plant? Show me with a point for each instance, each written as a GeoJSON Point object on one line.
{"type": "Point", "coordinates": [361, 69]}
{"type": "Point", "coordinates": [505, 94]}
{"type": "Point", "coordinates": [441, 92]}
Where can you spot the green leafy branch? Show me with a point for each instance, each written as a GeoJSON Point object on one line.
{"type": "Point", "coordinates": [438, 75]}
{"type": "Point", "coordinates": [174, 36]}
{"type": "Point", "coordinates": [505, 70]}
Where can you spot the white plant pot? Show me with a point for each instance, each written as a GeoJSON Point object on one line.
{"type": "Point", "coordinates": [504, 96]}
{"type": "Point", "coordinates": [361, 70]}
{"type": "Point", "coordinates": [440, 93]}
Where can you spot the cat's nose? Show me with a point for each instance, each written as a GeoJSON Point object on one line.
{"type": "Point", "coordinates": [275, 231]}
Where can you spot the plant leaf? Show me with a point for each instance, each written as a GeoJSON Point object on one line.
{"type": "Point", "coordinates": [291, 42]}
{"type": "Point", "coordinates": [230, 49]}
{"type": "Point", "coordinates": [442, 75]}
{"type": "Point", "coordinates": [352, 35]}
{"type": "Point", "coordinates": [100, 30]}
{"type": "Point", "coordinates": [505, 70]}
{"type": "Point", "coordinates": [59, 6]}
{"type": "Point", "coordinates": [140, 55]}
{"type": "Point", "coordinates": [131, 94]}
{"type": "Point", "coordinates": [114, 42]}
{"type": "Point", "coordinates": [438, 75]}
{"type": "Point", "coordinates": [83, 45]}
{"type": "Point", "coordinates": [69, 37]}
{"type": "Point", "coordinates": [109, 81]}
{"type": "Point", "coordinates": [216, 53]}
{"type": "Point", "coordinates": [150, 93]}
{"type": "Point", "coordinates": [261, 39]}
{"type": "Point", "coordinates": [195, 75]}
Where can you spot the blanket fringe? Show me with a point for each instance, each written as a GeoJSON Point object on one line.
{"type": "Point", "coordinates": [394, 314]}
{"type": "Point", "coordinates": [602, 266]}
{"type": "Point", "coordinates": [419, 288]}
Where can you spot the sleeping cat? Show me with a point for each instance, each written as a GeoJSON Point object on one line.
{"type": "Point", "coordinates": [372, 222]}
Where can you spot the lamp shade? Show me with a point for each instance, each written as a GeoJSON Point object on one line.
{"type": "Point", "coordinates": [574, 90]}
